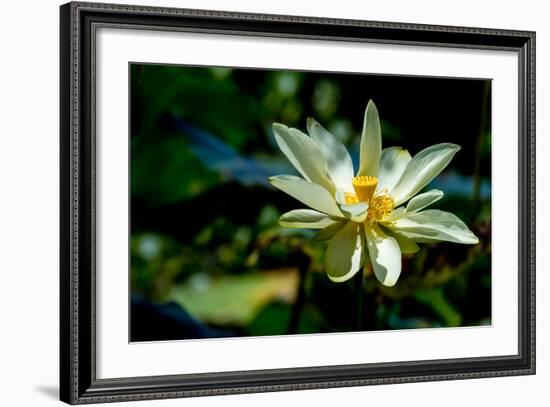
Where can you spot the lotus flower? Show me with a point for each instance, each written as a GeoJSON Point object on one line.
{"type": "Point", "coordinates": [376, 214]}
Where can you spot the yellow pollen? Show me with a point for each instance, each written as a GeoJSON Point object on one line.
{"type": "Point", "coordinates": [364, 187]}
{"type": "Point", "coordinates": [350, 198]}
{"type": "Point", "coordinates": [380, 206]}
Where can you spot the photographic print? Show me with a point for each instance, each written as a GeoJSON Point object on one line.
{"type": "Point", "coordinates": [276, 202]}
{"type": "Point", "coordinates": [293, 197]}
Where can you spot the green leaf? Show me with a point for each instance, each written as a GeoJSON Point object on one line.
{"type": "Point", "coordinates": [235, 299]}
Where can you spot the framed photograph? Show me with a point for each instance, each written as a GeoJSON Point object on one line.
{"type": "Point", "coordinates": [255, 203]}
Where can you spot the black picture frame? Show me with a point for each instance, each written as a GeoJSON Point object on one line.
{"type": "Point", "coordinates": [78, 382]}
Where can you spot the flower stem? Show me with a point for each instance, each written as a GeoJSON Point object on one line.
{"type": "Point", "coordinates": [302, 263]}
{"type": "Point", "coordinates": [298, 305]}
{"type": "Point", "coordinates": [358, 291]}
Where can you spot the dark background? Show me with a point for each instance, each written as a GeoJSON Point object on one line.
{"type": "Point", "coordinates": [207, 256]}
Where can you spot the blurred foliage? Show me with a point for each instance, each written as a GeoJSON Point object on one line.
{"type": "Point", "coordinates": [235, 300]}
{"type": "Point", "coordinates": [204, 233]}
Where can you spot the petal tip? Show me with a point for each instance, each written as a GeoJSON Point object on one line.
{"type": "Point", "coordinates": [341, 279]}
{"type": "Point", "coordinates": [371, 104]}
{"type": "Point", "coordinates": [273, 180]}
{"type": "Point", "coordinates": [455, 147]}
{"type": "Point", "coordinates": [278, 127]}
{"type": "Point", "coordinates": [389, 283]}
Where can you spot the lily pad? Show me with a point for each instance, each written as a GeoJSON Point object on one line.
{"type": "Point", "coordinates": [235, 299]}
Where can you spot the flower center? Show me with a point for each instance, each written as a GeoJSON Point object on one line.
{"type": "Point", "coordinates": [364, 187]}
{"type": "Point", "coordinates": [380, 206]}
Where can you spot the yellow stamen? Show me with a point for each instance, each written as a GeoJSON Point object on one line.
{"type": "Point", "coordinates": [364, 187]}
{"type": "Point", "coordinates": [350, 198]}
{"type": "Point", "coordinates": [380, 206]}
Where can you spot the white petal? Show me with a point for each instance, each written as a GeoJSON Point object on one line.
{"type": "Point", "coordinates": [385, 255]}
{"type": "Point", "coordinates": [330, 231]}
{"type": "Point", "coordinates": [304, 154]}
{"type": "Point", "coordinates": [397, 213]}
{"type": "Point", "coordinates": [345, 253]}
{"type": "Point", "coordinates": [356, 212]}
{"type": "Point", "coordinates": [421, 201]}
{"type": "Point", "coordinates": [371, 142]}
{"type": "Point", "coordinates": [423, 167]}
{"type": "Point", "coordinates": [340, 195]}
{"type": "Point", "coordinates": [313, 195]}
{"type": "Point", "coordinates": [407, 246]}
{"type": "Point", "coordinates": [393, 162]}
{"type": "Point", "coordinates": [434, 225]}
{"type": "Point", "coordinates": [340, 167]}
{"type": "Point", "coordinates": [305, 218]}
